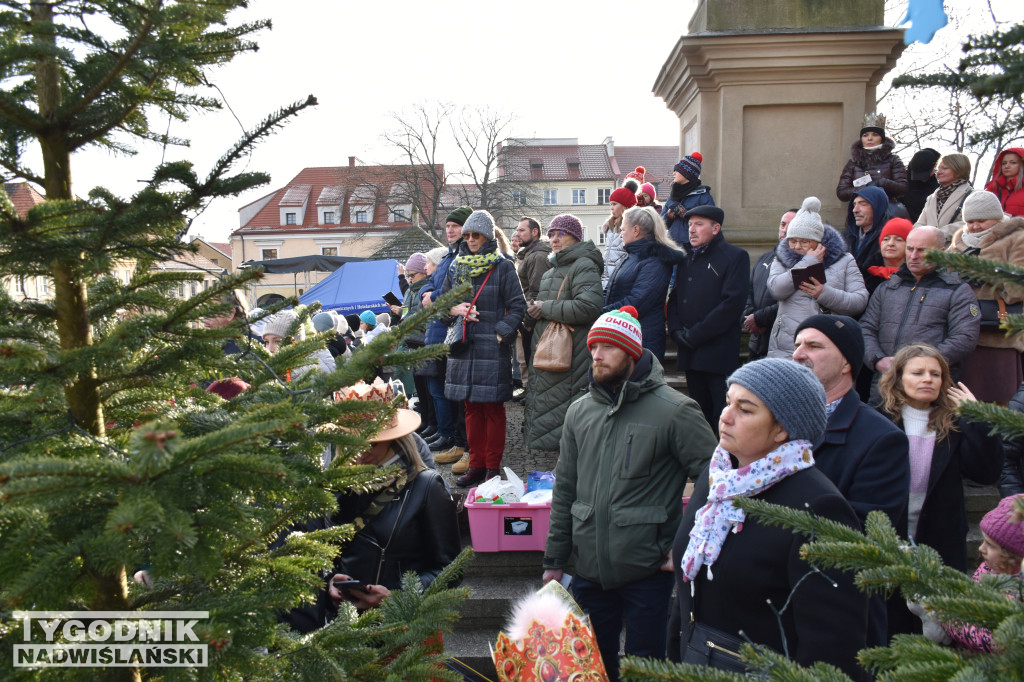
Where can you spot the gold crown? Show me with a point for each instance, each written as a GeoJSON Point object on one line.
{"type": "Point", "coordinates": [874, 120]}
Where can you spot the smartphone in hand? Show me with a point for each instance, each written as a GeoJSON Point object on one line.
{"type": "Point", "coordinates": [350, 586]}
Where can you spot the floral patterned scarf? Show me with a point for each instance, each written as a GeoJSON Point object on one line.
{"type": "Point", "coordinates": [716, 519]}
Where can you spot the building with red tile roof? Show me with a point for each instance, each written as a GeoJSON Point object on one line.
{"type": "Point", "coordinates": [353, 210]}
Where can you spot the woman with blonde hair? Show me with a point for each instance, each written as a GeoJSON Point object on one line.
{"type": "Point", "coordinates": [919, 396]}
{"type": "Point", "coordinates": [944, 207]}
{"type": "Point", "coordinates": [641, 279]}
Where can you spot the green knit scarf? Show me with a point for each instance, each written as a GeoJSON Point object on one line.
{"type": "Point", "coordinates": [473, 265]}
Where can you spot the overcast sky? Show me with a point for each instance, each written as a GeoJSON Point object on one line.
{"type": "Point", "coordinates": [565, 68]}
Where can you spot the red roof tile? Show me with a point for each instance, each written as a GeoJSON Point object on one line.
{"type": "Point", "coordinates": [329, 186]}
{"type": "Point", "coordinates": [24, 197]}
{"type": "Point", "coordinates": [552, 162]}
{"type": "Point", "coordinates": [658, 162]}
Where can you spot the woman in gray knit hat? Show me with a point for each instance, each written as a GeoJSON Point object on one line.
{"type": "Point", "coordinates": [733, 571]}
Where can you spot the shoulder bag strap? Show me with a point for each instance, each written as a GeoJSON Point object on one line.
{"type": "Point", "coordinates": [477, 296]}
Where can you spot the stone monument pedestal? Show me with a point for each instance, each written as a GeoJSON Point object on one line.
{"type": "Point", "coordinates": [774, 108]}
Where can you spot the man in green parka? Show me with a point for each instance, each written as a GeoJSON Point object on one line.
{"type": "Point", "coordinates": [627, 448]}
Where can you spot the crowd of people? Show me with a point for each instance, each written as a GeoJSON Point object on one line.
{"type": "Point", "coordinates": [861, 351]}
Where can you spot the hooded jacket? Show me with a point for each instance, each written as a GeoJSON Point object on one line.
{"type": "Point", "coordinates": [865, 248]}
{"type": "Point", "coordinates": [620, 476]}
{"type": "Point", "coordinates": [706, 304]}
{"type": "Point", "coordinates": [844, 292]}
{"type": "Point", "coordinates": [1005, 243]}
{"type": "Point", "coordinates": [578, 305]}
{"type": "Point", "coordinates": [1011, 199]}
{"type": "Point", "coordinates": [641, 280]}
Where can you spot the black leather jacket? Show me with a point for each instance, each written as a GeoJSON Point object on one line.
{"type": "Point", "coordinates": [417, 532]}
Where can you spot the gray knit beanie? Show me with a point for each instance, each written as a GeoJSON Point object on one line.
{"type": "Point", "coordinates": [325, 321]}
{"type": "Point", "coordinates": [481, 222]}
{"type": "Point", "coordinates": [807, 222]}
{"type": "Point", "coordinates": [793, 394]}
{"type": "Point", "coordinates": [436, 255]}
{"type": "Point", "coordinates": [982, 205]}
{"type": "Point", "coordinates": [280, 322]}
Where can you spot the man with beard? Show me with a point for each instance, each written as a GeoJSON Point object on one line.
{"type": "Point", "coordinates": [627, 448]}
{"type": "Point", "coordinates": [687, 192]}
{"type": "Point", "coordinates": [532, 264]}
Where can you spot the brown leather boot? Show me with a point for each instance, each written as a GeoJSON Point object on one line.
{"type": "Point", "coordinates": [472, 476]}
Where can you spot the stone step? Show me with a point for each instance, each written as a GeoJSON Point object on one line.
{"type": "Point", "coordinates": [472, 648]}
{"type": "Point", "coordinates": [491, 599]}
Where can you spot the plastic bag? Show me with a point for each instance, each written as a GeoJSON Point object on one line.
{"type": "Point", "coordinates": [542, 496]}
{"type": "Point", "coordinates": [540, 480]}
{"type": "Point", "coordinates": [511, 490]}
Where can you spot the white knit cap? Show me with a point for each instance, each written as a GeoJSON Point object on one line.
{"type": "Point", "coordinates": [807, 222]}
{"type": "Point", "coordinates": [982, 205]}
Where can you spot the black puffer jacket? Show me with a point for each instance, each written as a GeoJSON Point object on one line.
{"type": "Point", "coordinates": [761, 305]}
{"type": "Point", "coordinates": [641, 280]}
{"type": "Point", "coordinates": [484, 373]}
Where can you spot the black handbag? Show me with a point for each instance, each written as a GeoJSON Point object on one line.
{"type": "Point", "coordinates": [994, 312]}
{"type": "Point", "coordinates": [713, 647]}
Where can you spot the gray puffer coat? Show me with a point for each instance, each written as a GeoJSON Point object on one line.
{"type": "Point", "coordinates": [484, 373]}
{"type": "Point", "coordinates": [548, 394]}
{"type": "Point", "coordinates": [844, 292]}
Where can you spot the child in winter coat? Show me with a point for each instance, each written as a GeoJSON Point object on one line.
{"type": "Point", "coordinates": [1003, 551]}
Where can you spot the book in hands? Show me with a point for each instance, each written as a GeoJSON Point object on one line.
{"type": "Point", "coordinates": [801, 275]}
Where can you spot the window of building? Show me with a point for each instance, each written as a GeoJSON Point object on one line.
{"type": "Point", "coordinates": [579, 196]}
{"type": "Point", "coordinates": [268, 254]}
{"type": "Point", "coordinates": [43, 286]}
{"type": "Point", "coordinates": [550, 197]}
{"type": "Point", "coordinates": [329, 251]}
{"type": "Point", "coordinates": [181, 290]}
{"type": "Point", "coordinates": [603, 196]}
{"type": "Point", "coordinates": [518, 197]}
{"type": "Point", "coordinates": [600, 237]}
{"type": "Point", "coordinates": [329, 217]}
{"type": "Point", "coordinates": [361, 216]}
{"type": "Point", "coordinates": [289, 218]}
{"type": "Point", "coordinates": [194, 287]}
{"type": "Point", "coordinates": [398, 215]}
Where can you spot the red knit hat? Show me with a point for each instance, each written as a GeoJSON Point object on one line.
{"type": "Point", "coordinates": [624, 197]}
{"type": "Point", "coordinates": [619, 328]}
{"type": "Point", "coordinates": [637, 174]}
{"type": "Point", "coordinates": [900, 227]}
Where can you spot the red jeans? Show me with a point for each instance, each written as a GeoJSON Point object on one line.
{"type": "Point", "coordinates": [485, 431]}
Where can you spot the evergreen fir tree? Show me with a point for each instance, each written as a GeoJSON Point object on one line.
{"type": "Point", "coordinates": [992, 71]}
{"type": "Point", "coordinates": [111, 458]}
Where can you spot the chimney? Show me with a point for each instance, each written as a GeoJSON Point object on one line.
{"type": "Point", "coordinates": [351, 162]}
{"type": "Point", "coordinates": [609, 144]}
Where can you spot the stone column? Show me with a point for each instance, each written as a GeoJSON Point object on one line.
{"type": "Point", "coordinates": [772, 93]}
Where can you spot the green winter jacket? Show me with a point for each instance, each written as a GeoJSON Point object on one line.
{"type": "Point", "coordinates": [619, 480]}
{"type": "Point", "coordinates": [548, 394]}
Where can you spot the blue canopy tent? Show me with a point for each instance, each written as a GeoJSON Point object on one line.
{"type": "Point", "coordinates": [355, 287]}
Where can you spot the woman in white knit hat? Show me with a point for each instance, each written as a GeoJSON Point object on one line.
{"type": "Point", "coordinates": [810, 242]}
{"type": "Point", "coordinates": [993, 369]}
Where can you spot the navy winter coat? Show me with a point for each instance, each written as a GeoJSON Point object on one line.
{"type": "Point", "coordinates": [678, 228]}
{"type": "Point", "coordinates": [436, 328]}
{"type": "Point", "coordinates": [641, 280]}
{"type": "Point", "coordinates": [484, 373]}
{"type": "Point", "coordinates": [707, 301]}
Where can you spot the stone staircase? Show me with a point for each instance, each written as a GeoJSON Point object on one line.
{"type": "Point", "coordinates": [496, 580]}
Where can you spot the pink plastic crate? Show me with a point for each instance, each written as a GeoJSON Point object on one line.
{"type": "Point", "coordinates": [515, 527]}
